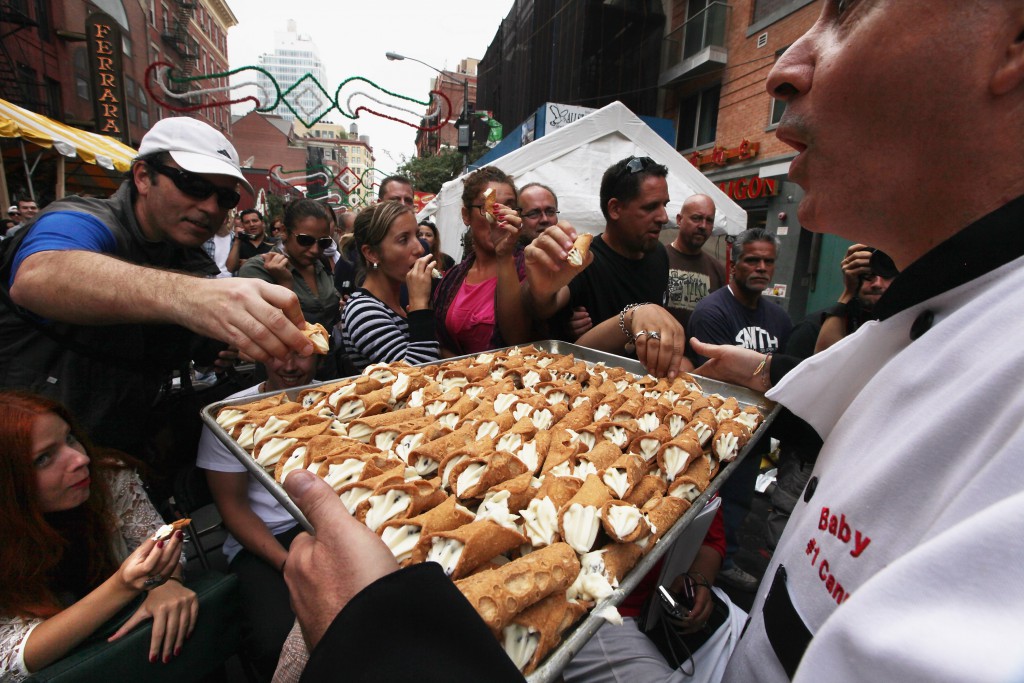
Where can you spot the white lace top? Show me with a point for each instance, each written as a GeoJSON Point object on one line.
{"type": "Point", "coordinates": [136, 520]}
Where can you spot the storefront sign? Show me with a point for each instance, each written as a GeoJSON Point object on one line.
{"type": "Point", "coordinates": [104, 45]}
{"type": "Point", "coordinates": [753, 187]}
{"type": "Point", "coordinates": [720, 156]}
{"type": "Point", "coordinates": [560, 115]}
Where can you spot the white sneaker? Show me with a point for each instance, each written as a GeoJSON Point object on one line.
{"type": "Point", "coordinates": [734, 577]}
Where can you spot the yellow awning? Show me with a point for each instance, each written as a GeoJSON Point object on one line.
{"type": "Point", "coordinates": [92, 148]}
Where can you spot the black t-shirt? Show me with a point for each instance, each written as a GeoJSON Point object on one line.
{"type": "Point", "coordinates": [246, 249]}
{"type": "Point", "coordinates": [720, 319]}
{"type": "Point", "coordinates": [613, 281]}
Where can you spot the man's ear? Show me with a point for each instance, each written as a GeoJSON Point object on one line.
{"type": "Point", "coordinates": [465, 216]}
{"type": "Point", "coordinates": [1010, 73]}
{"type": "Point", "coordinates": [142, 175]}
{"type": "Point", "coordinates": [614, 209]}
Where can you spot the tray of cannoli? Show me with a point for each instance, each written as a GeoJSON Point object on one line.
{"type": "Point", "coordinates": [546, 479]}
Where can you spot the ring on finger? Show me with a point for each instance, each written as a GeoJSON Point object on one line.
{"type": "Point", "coordinates": [654, 334]}
{"type": "Point", "coordinates": [152, 581]}
{"type": "Point", "coordinates": [640, 333]}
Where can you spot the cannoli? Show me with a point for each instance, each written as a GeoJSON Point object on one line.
{"type": "Point", "coordinates": [540, 517]}
{"type": "Point", "coordinates": [579, 519]}
{"type": "Point", "coordinates": [623, 522]}
{"type": "Point", "coordinates": [728, 410]}
{"type": "Point", "coordinates": [438, 404]}
{"type": "Point", "coordinates": [229, 416]}
{"type": "Point", "coordinates": [257, 425]}
{"type": "Point", "coordinates": [662, 512]}
{"type": "Point", "coordinates": [513, 439]}
{"type": "Point", "coordinates": [317, 334]}
{"type": "Point", "coordinates": [461, 550]}
{"type": "Point", "coordinates": [406, 383]}
{"type": "Point", "coordinates": [268, 451]}
{"type": "Point", "coordinates": [622, 476]}
{"type": "Point", "coordinates": [385, 436]}
{"type": "Point", "coordinates": [678, 419]}
{"type": "Point", "coordinates": [729, 440]}
{"type": "Point", "coordinates": [654, 391]}
{"type": "Point", "coordinates": [560, 449]}
{"type": "Point", "coordinates": [538, 629]}
{"type": "Point", "coordinates": [167, 530]}
{"type": "Point", "coordinates": [619, 433]}
{"type": "Point", "coordinates": [488, 206]}
{"type": "Point", "coordinates": [362, 428]}
{"type": "Point", "coordinates": [355, 493]}
{"type": "Point", "coordinates": [341, 470]}
{"type": "Point", "coordinates": [577, 418]}
{"type": "Point", "coordinates": [403, 536]}
{"type": "Point", "coordinates": [751, 417]}
{"type": "Point", "coordinates": [349, 408]}
{"type": "Point", "coordinates": [596, 460]}
{"type": "Point", "coordinates": [491, 427]}
{"type": "Point", "coordinates": [648, 445]}
{"type": "Point", "coordinates": [650, 485]}
{"type": "Point", "coordinates": [453, 417]}
{"type": "Point", "coordinates": [675, 456]}
{"type": "Point", "coordinates": [546, 416]}
{"type": "Point", "coordinates": [651, 416]}
{"type": "Point", "coordinates": [500, 594]}
{"type": "Point", "coordinates": [532, 453]}
{"type": "Point", "coordinates": [426, 458]}
{"type": "Point", "coordinates": [399, 501]}
{"type": "Point", "coordinates": [472, 478]}
{"type": "Point", "coordinates": [521, 490]}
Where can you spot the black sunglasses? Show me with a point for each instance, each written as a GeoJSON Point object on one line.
{"type": "Point", "coordinates": [198, 187]}
{"type": "Point", "coordinates": [636, 165]}
{"type": "Point", "coordinates": [308, 240]}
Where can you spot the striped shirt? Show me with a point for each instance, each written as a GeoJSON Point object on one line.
{"type": "Point", "coordinates": [373, 333]}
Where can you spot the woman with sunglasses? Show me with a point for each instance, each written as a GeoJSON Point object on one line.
{"type": "Point", "coordinates": [295, 263]}
{"type": "Point", "coordinates": [77, 546]}
{"type": "Point", "coordinates": [376, 328]}
{"type": "Point", "coordinates": [481, 294]}
{"type": "Point", "coordinates": [429, 235]}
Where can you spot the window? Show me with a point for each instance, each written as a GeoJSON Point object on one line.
{"type": "Point", "coordinates": [698, 119]}
{"type": "Point", "coordinates": [778, 106]}
{"type": "Point", "coordinates": [81, 73]}
{"type": "Point", "coordinates": [43, 19]}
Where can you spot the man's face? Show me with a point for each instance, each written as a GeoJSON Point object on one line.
{"type": "Point", "coordinates": [293, 371]}
{"type": "Point", "coordinates": [539, 210]}
{"type": "Point", "coordinates": [397, 192]}
{"type": "Point", "coordinates": [696, 220]}
{"type": "Point", "coordinates": [28, 210]}
{"type": "Point", "coordinates": [755, 268]}
{"type": "Point", "coordinates": [252, 224]}
{"type": "Point", "coordinates": [166, 214]}
{"type": "Point", "coordinates": [637, 223]}
{"type": "Point", "coordinates": [875, 77]}
{"type": "Point", "coordinates": [872, 287]}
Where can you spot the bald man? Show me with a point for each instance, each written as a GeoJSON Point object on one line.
{"type": "Point", "coordinates": [692, 273]}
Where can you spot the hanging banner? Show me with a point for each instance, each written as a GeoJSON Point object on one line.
{"type": "Point", "coordinates": [105, 70]}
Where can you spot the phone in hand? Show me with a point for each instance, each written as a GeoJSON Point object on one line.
{"type": "Point", "coordinates": [671, 605]}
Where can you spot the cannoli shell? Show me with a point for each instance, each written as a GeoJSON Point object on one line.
{"type": "Point", "coordinates": [663, 512]}
{"type": "Point", "coordinates": [423, 495]}
{"type": "Point", "coordinates": [395, 475]}
{"type": "Point", "coordinates": [481, 541]}
{"type": "Point", "coordinates": [445, 516]}
{"type": "Point", "coordinates": [619, 559]}
{"type": "Point", "coordinates": [602, 455]}
{"type": "Point", "coordinates": [634, 467]}
{"type": "Point", "coordinates": [557, 410]}
{"type": "Point", "coordinates": [560, 450]}
{"type": "Point", "coordinates": [437, 449]}
{"type": "Point", "coordinates": [630, 410]}
{"type": "Point", "coordinates": [649, 486]}
{"type": "Point", "coordinates": [500, 594]}
{"type": "Point", "coordinates": [642, 528]}
{"type": "Point", "coordinates": [258, 417]}
{"type": "Point", "coordinates": [593, 493]}
{"type": "Point", "coordinates": [549, 618]}
{"type": "Point", "coordinates": [687, 443]}
{"type": "Point", "coordinates": [729, 428]}
{"type": "Point", "coordinates": [661, 435]}
{"type": "Point", "coordinates": [462, 407]}
{"type": "Point", "coordinates": [394, 417]}
{"type": "Point", "coordinates": [373, 403]}
{"type": "Point", "coordinates": [577, 418]}
{"type": "Point", "coordinates": [260, 405]}
{"type": "Point", "coordinates": [521, 491]}
{"type": "Point", "coordinates": [500, 468]}
{"type": "Point", "coordinates": [494, 426]}
{"type": "Point", "coordinates": [559, 489]}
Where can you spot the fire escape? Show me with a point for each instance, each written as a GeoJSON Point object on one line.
{"type": "Point", "coordinates": [13, 18]}
{"type": "Point", "coordinates": [176, 36]}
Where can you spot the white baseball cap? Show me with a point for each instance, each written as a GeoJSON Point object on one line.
{"type": "Point", "coordinates": [195, 146]}
{"type": "Point", "coordinates": [12, 209]}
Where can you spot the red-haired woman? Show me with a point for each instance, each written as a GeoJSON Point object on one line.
{"type": "Point", "coordinates": [76, 545]}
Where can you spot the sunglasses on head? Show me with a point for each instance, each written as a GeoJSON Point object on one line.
{"type": "Point", "coordinates": [637, 164]}
{"type": "Point", "coordinates": [198, 187]}
{"type": "Point", "coordinates": [308, 240]}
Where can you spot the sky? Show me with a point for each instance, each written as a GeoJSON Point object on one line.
{"type": "Point", "coordinates": [438, 33]}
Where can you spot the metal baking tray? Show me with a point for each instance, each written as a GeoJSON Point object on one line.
{"type": "Point", "coordinates": [551, 668]}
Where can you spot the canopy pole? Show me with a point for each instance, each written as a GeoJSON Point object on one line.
{"type": "Point", "coordinates": [59, 190]}
{"type": "Point", "coordinates": [5, 197]}
{"type": "Point", "coordinates": [28, 171]}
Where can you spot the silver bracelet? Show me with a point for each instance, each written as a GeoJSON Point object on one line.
{"type": "Point", "coordinates": [630, 338]}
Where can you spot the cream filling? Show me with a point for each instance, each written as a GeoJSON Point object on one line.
{"type": "Point", "coordinates": [400, 386]}
{"type": "Point", "coordinates": [227, 419]}
{"type": "Point", "coordinates": [581, 524]}
{"type": "Point", "coordinates": [436, 407]}
{"type": "Point", "coordinates": [574, 257]}
{"type": "Point", "coordinates": [726, 447]}
{"type": "Point", "coordinates": [602, 412]}
{"type": "Point", "coordinates": [578, 401]}
{"type": "Point", "coordinates": [649, 448]}
{"type": "Point", "coordinates": [562, 469]}
{"type": "Point", "coordinates": [338, 428]}
{"type": "Point", "coordinates": [474, 392]}
{"type": "Point", "coordinates": [544, 362]}
{"type": "Point", "coordinates": [588, 439]}
{"type": "Point", "coordinates": [617, 435]}
{"type": "Point", "coordinates": [354, 496]}
{"type": "Point", "coordinates": [540, 522]}
{"type": "Point", "coordinates": [527, 454]}
{"type": "Point", "coordinates": [294, 462]}
{"type": "Point", "coordinates": [320, 343]}
{"type": "Point", "coordinates": [350, 410]}
{"type": "Point", "coordinates": [592, 582]}
{"type": "Point", "coordinates": [686, 491]}
{"type": "Point", "coordinates": [675, 461]}
{"type": "Point", "coordinates": [424, 466]}
{"type": "Point", "coordinates": [487, 430]}
{"type": "Point", "coordinates": [495, 508]}
{"type": "Point", "coordinates": [342, 392]}
{"type": "Point", "coordinates": [724, 414]}
{"type": "Point", "coordinates": [584, 469]}
{"type": "Point", "coordinates": [671, 396]}
{"type": "Point", "coordinates": [652, 393]}
{"type": "Point", "coordinates": [531, 379]}
{"type": "Point", "coordinates": [543, 418]}
{"type": "Point", "coordinates": [621, 385]}
{"type": "Point", "coordinates": [484, 358]}
{"type": "Point", "coordinates": [515, 351]}
{"type": "Point", "coordinates": [703, 431]}
{"type": "Point", "coordinates": [649, 422]}
{"type": "Point", "coordinates": [386, 439]}
{"type": "Point", "coordinates": [623, 519]}
{"type": "Point", "coordinates": [556, 396]}
{"type": "Point", "coordinates": [448, 468]}
{"type": "Point", "coordinates": [402, 540]}
{"type": "Point", "coordinates": [272, 450]}
{"type": "Point", "coordinates": [406, 444]}
{"type": "Point", "coordinates": [469, 478]}
{"type": "Point", "coordinates": [273, 425]}
{"type": "Point", "coordinates": [520, 643]}
{"type": "Point", "coordinates": [386, 507]}
{"type": "Point", "coordinates": [749, 419]}
{"type": "Point", "coordinates": [449, 420]}
{"type": "Point", "coordinates": [509, 443]}
{"type": "Point", "coordinates": [521, 410]}
{"type": "Point", "coordinates": [345, 472]}
{"type": "Point", "coordinates": [446, 552]}
{"type": "Point", "coordinates": [456, 382]}
{"type": "Point", "coordinates": [417, 397]}
{"type": "Point", "coordinates": [497, 374]}
{"type": "Point", "coordinates": [676, 424]}
{"type": "Point", "coordinates": [503, 402]}
{"type": "Point", "coordinates": [245, 439]}
{"type": "Point", "coordinates": [380, 372]}
{"type": "Point", "coordinates": [616, 479]}
{"type": "Point", "coordinates": [360, 432]}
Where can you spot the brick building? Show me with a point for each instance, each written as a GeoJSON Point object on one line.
{"type": "Point", "coordinates": [451, 84]}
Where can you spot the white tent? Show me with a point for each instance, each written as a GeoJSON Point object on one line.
{"type": "Point", "coordinates": [571, 161]}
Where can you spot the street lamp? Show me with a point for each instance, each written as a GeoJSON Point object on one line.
{"type": "Point", "coordinates": [465, 139]}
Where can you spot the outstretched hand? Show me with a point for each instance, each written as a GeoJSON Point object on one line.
{"type": "Point", "coordinates": [733, 364]}
{"type": "Point", "coordinates": [660, 341]}
{"type": "Point", "coordinates": [325, 571]}
{"type": "Point", "coordinates": [547, 269]}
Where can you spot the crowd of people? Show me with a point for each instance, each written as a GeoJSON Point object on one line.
{"type": "Point", "coordinates": [901, 441]}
